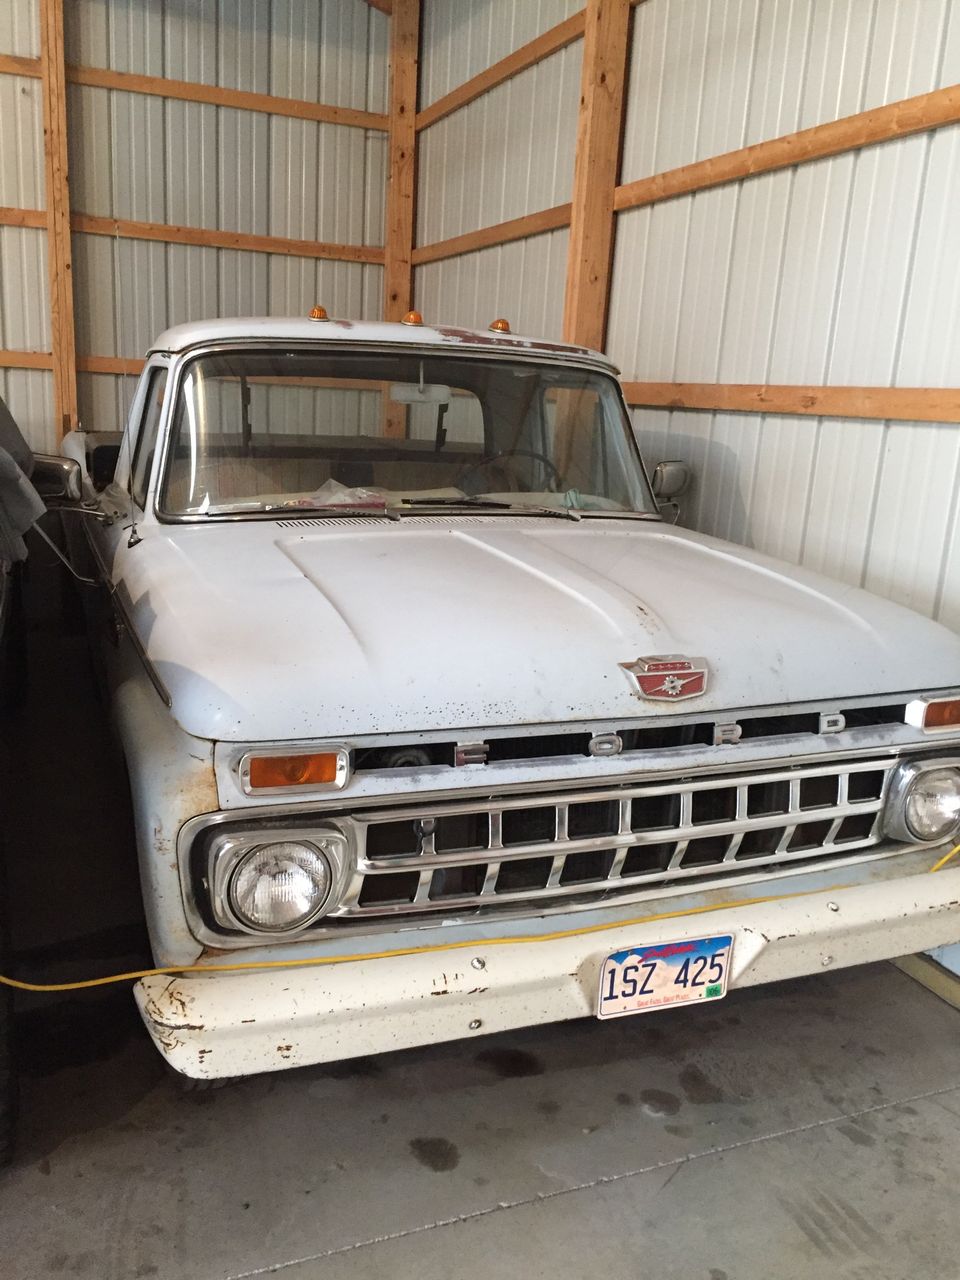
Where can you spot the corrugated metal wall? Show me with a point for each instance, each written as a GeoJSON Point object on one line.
{"type": "Point", "coordinates": [835, 273]}
{"type": "Point", "coordinates": [149, 159]}
{"type": "Point", "coordinates": [24, 308]}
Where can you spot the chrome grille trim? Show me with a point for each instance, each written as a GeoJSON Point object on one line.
{"type": "Point", "coordinates": [547, 857]}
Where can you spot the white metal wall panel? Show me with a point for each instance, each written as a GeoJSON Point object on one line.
{"type": "Point", "coordinates": [21, 143]}
{"type": "Point", "coordinates": [24, 315]}
{"type": "Point", "coordinates": [504, 155]}
{"type": "Point", "coordinates": [28, 394]}
{"type": "Point", "coordinates": [523, 281]}
{"type": "Point", "coordinates": [20, 28]}
{"type": "Point", "coordinates": [709, 76]}
{"type": "Point", "coordinates": [461, 38]}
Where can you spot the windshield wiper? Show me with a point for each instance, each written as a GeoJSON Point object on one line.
{"type": "Point", "coordinates": [324, 508]}
{"type": "Point", "coordinates": [492, 504]}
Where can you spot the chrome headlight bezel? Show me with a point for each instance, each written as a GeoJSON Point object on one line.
{"type": "Point", "coordinates": [901, 783]}
{"type": "Point", "coordinates": [228, 850]}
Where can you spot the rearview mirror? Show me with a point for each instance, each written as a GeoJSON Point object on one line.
{"type": "Point", "coordinates": [670, 480]}
{"type": "Point", "coordinates": [55, 477]}
{"type": "Point", "coordinates": [411, 393]}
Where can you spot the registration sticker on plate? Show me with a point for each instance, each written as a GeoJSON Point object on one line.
{"type": "Point", "coordinates": [663, 974]}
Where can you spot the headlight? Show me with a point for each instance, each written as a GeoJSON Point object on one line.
{"type": "Point", "coordinates": [932, 808]}
{"type": "Point", "coordinates": [924, 802]}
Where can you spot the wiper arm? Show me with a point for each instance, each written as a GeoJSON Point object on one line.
{"type": "Point", "coordinates": [493, 504]}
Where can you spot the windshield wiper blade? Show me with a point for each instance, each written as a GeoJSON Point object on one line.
{"type": "Point", "coordinates": [493, 504]}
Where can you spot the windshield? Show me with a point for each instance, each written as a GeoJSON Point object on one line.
{"type": "Point", "coordinates": [257, 431]}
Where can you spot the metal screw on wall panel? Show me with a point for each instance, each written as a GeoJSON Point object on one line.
{"type": "Point", "coordinates": [478, 962]}
{"type": "Point", "coordinates": [476, 1024]}
{"type": "Point", "coordinates": [833, 906]}
{"type": "Point", "coordinates": [826, 960]}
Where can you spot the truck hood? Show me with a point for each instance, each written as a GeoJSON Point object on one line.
{"type": "Point", "coordinates": [263, 631]}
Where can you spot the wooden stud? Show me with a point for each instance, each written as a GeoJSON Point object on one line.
{"type": "Point", "coordinates": [908, 404]}
{"type": "Point", "coordinates": [401, 181]}
{"type": "Point", "coordinates": [109, 364]}
{"type": "Point", "coordinates": [169, 234]}
{"type": "Point", "coordinates": [385, 6]}
{"type": "Point", "coordinates": [882, 124]}
{"type": "Point", "coordinates": [12, 65]}
{"type": "Point", "coordinates": [531, 224]}
{"type": "Point", "coordinates": [26, 360]}
{"type": "Point", "coordinates": [521, 59]}
{"type": "Point", "coordinates": [215, 95]}
{"type": "Point", "coordinates": [599, 132]}
{"type": "Point", "coordinates": [59, 255]}
{"type": "Point", "coordinates": [22, 217]}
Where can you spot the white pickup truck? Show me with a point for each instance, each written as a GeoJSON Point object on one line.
{"type": "Point", "coordinates": [436, 727]}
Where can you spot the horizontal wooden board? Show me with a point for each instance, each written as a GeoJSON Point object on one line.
{"type": "Point", "coordinates": [26, 360]}
{"type": "Point", "coordinates": [882, 124]}
{"type": "Point", "coordinates": [108, 364]}
{"type": "Point", "coordinates": [13, 65]}
{"type": "Point", "coordinates": [909, 404]}
{"type": "Point", "coordinates": [170, 234]}
{"type": "Point", "coordinates": [22, 217]}
{"type": "Point", "coordinates": [531, 224]}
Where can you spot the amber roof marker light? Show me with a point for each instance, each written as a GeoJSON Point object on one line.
{"type": "Point", "coordinates": [412, 317]}
{"type": "Point", "coordinates": [318, 313]}
{"type": "Point", "coordinates": [500, 326]}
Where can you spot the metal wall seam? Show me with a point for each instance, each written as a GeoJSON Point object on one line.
{"type": "Point", "coordinates": [20, 28]}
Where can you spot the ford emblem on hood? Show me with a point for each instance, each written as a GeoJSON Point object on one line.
{"type": "Point", "coordinates": [668, 676]}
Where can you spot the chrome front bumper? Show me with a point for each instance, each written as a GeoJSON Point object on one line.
{"type": "Point", "coordinates": [400, 990]}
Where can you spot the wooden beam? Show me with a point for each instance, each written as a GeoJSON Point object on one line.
{"type": "Point", "coordinates": [527, 55]}
{"type": "Point", "coordinates": [22, 217]}
{"type": "Point", "coordinates": [167, 233]}
{"type": "Point", "coordinates": [599, 133]}
{"type": "Point", "coordinates": [26, 360]}
{"type": "Point", "coordinates": [109, 364]}
{"type": "Point", "coordinates": [402, 163]}
{"type": "Point", "coordinates": [882, 124]}
{"type": "Point", "coordinates": [59, 255]}
{"type": "Point", "coordinates": [531, 224]}
{"type": "Point", "coordinates": [214, 95]}
{"type": "Point", "coordinates": [910, 404]}
{"type": "Point", "coordinates": [385, 6]}
{"type": "Point", "coordinates": [12, 65]}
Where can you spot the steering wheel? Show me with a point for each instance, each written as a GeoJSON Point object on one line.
{"type": "Point", "coordinates": [495, 459]}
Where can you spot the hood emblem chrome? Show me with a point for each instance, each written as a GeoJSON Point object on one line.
{"type": "Point", "coordinates": [668, 677]}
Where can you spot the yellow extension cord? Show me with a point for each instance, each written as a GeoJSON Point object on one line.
{"type": "Point", "coordinates": [478, 944]}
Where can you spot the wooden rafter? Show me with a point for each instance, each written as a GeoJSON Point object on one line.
{"type": "Point", "coordinates": [599, 132]}
{"type": "Point", "coordinates": [910, 404]}
{"type": "Point", "coordinates": [26, 360]}
{"type": "Point", "coordinates": [531, 224]}
{"type": "Point", "coordinates": [59, 255]}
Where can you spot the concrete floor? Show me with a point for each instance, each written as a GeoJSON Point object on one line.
{"type": "Point", "coordinates": [806, 1130]}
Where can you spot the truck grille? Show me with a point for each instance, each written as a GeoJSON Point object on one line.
{"type": "Point", "coordinates": [477, 854]}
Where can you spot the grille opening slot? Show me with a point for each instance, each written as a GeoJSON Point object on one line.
{"type": "Point", "coordinates": [718, 805]}
{"type": "Point", "coordinates": [865, 717]}
{"type": "Point", "coordinates": [414, 756]}
{"type": "Point", "coordinates": [396, 888]}
{"type": "Point", "coordinates": [647, 859]}
{"type": "Point", "coordinates": [458, 831]}
{"type": "Point", "coordinates": [598, 818]}
{"type": "Point", "coordinates": [592, 864]}
{"type": "Point", "coordinates": [525, 873]}
{"type": "Point", "coordinates": [819, 792]}
{"type": "Point", "coordinates": [538, 746]}
{"type": "Point", "coordinates": [775, 726]}
{"type": "Point", "coordinates": [529, 826]}
{"type": "Point", "coordinates": [392, 839]}
{"type": "Point", "coordinates": [662, 737]}
{"type": "Point", "coordinates": [649, 813]}
{"type": "Point", "coordinates": [759, 844]}
{"type": "Point", "coordinates": [865, 786]}
{"type": "Point", "coordinates": [857, 827]}
{"type": "Point", "coordinates": [457, 882]}
{"type": "Point", "coordinates": [764, 798]}
{"type": "Point", "coordinates": [703, 852]}
{"type": "Point", "coordinates": [809, 835]}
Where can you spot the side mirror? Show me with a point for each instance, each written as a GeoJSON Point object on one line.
{"type": "Point", "coordinates": [670, 480]}
{"type": "Point", "coordinates": [55, 477]}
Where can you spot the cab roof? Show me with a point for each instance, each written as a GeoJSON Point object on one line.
{"type": "Point", "coordinates": [299, 329]}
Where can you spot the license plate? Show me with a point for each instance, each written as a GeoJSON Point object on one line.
{"type": "Point", "coordinates": [664, 974]}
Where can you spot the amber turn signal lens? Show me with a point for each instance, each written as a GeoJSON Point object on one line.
{"type": "Point", "coordinates": [293, 771]}
{"type": "Point", "coordinates": [500, 326]}
{"type": "Point", "coordinates": [412, 317]}
{"type": "Point", "coordinates": [318, 313]}
{"type": "Point", "coordinates": [942, 715]}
